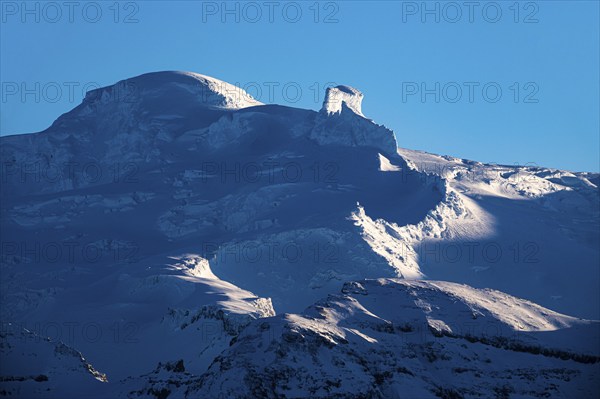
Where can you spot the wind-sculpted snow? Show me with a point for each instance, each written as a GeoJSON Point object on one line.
{"type": "Point", "coordinates": [349, 128]}
{"type": "Point", "coordinates": [336, 98]}
{"type": "Point", "coordinates": [170, 216]}
{"type": "Point", "coordinates": [529, 231]}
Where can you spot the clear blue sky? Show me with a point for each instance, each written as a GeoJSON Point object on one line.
{"type": "Point", "coordinates": [549, 48]}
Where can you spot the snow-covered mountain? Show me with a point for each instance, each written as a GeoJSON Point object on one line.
{"type": "Point", "coordinates": [189, 240]}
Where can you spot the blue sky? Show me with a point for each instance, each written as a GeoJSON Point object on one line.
{"type": "Point", "coordinates": [498, 82]}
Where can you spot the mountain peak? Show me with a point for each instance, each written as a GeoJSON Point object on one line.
{"type": "Point", "coordinates": [338, 97]}
{"type": "Point", "coordinates": [206, 90]}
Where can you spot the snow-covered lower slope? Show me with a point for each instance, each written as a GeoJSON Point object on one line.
{"type": "Point", "coordinates": [159, 309]}
{"type": "Point", "coordinates": [391, 338]}
{"type": "Point", "coordinates": [168, 216]}
{"type": "Point", "coordinates": [35, 366]}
